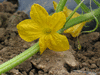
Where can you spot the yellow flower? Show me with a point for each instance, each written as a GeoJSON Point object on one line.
{"type": "Point", "coordinates": [76, 29]}
{"type": "Point", "coordinates": [44, 27]}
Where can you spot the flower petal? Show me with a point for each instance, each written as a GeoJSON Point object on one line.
{"type": "Point", "coordinates": [28, 30]}
{"type": "Point", "coordinates": [75, 30]}
{"type": "Point", "coordinates": [42, 44]}
{"type": "Point", "coordinates": [54, 5]}
{"type": "Point", "coordinates": [57, 42]}
{"type": "Point", "coordinates": [67, 12]}
{"type": "Point", "coordinates": [38, 14]}
{"type": "Point", "coordinates": [56, 21]}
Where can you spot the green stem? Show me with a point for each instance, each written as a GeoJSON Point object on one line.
{"type": "Point", "coordinates": [82, 18]}
{"type": "Point", "coordinates": [83, 6]}
{"type": "Point", "coordinates": [19, 59]}
{"type": "Point", "coordinates": [68, 18]}
{"type": "Point", "coordinates": [97, 3]}
{"type": "Point", "coordinates": [97, 22]}
{"type": "Point", "coordinates": [61, 5]}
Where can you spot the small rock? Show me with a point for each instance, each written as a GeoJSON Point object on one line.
{"type": "Point", "coordinates": [94, 36]}
{"type": "Point", "coordinates": [6, 42]}
{"type": "Point", "coordinates": [53, 62]}
{"type": "Point", "coordinates": [24, 73]}
{"type": "Point", "coordinates": [79, 72]}
{"type": "Point", "coordinates": [3, 50]}
{"type": "Point", "coordinates": [25, 46]}
{"type": "Point", "coordinates": [15, 72]}
{"type": "Point", "coordinates": [84, 64]}
{"type": "Point", "coordinates": [1, 7]}
{"type": "Point", "coordinates": [93, 66]}
{"type": "Point", "coordinates": [1, 46]}
{"type": "Point", "coordinates": [13, 35]}
{"type": "Point", "coordinates": [1, 58]}
{"type": "Point", "coordinates": [98, 62]}
{"type": "Point", "coordinates": [85, 69]}
{"type": "Point", "coordinates": [2, 32]}
{"type": "Point", "coordinates": [91, 62]}
{"type": "Point", "coordinates": [97, 45]}
{"type": "Point", "coordinates": [40, 72]}
{"type": "Point", "coordinates": [70, 60]}
{"type": "Point", "coordinates": [45, 74]}
{"type": "Point", "coordinates": [1, 62]}
{"type": "Point", "coordinates": [31, 73]}
{"type": "Point", "coordinates": [76, 73]}
{"type": "Point", "coordinates": [98, 69]}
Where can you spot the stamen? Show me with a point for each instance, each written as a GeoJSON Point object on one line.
{"type": "Point", "coordinates": [47, 30]}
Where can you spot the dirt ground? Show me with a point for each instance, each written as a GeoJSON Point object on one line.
{"type": "Point", "coordinates": [72, 62]}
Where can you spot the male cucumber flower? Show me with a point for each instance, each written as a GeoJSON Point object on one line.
{"type": "Point", "coordinates": [76, 29]}
{"type": "Point", "coordinates": [44, 27]}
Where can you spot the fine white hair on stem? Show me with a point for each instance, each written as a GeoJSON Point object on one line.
{"type": "Point", "coordinates": [82, 1]}
{"type": "Point", "coordinates": [91, 8]}
{"type": "Point", "coordinates": [97, 22]}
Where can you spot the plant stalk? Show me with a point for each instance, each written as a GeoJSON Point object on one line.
{"type": "Point", "coordinates": [19, 59]}
{"type": "Point", "coordinates": [61, 5]}
{"type": "Point", "coordinates": [82, 18]}
{"type": "Point", "coordinates": [97, 3]}
{"type": "Point", "coordinates": [83, 6]}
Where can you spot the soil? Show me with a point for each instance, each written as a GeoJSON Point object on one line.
{"type": "Point", "coordinates": [89, 54]}
{"type": "Point", "coordinates": [85, 61]}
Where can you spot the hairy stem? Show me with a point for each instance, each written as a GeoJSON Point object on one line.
{"type": "Point", "coordinates": [61, 5]}
{"type": "Point", "coordinates": [83, 6]}
{"type": "Point", "coordinates": [68, 18]}
{"type": "Point", "coordinates": [97, 3]}
{"type": "Point", "coordinates": [19, 59]}
{"type": "Point", "coordinates": [82, 18]}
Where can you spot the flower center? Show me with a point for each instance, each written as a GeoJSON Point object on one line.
{"type": "Point", "coordinates": [47, 31]}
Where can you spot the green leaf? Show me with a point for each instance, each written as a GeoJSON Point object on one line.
{"type": "Point", "coordinates": [83, 6]}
